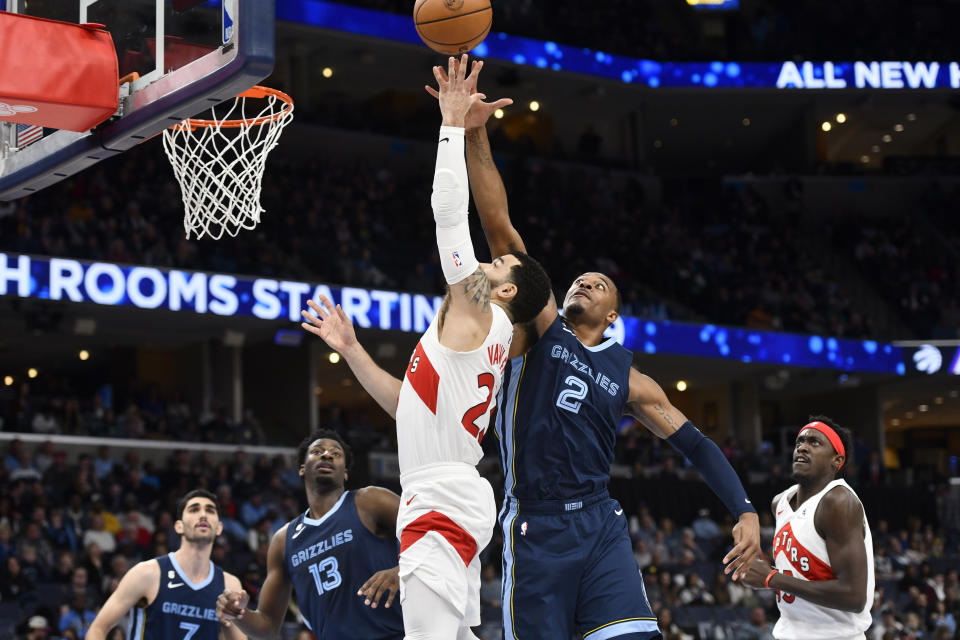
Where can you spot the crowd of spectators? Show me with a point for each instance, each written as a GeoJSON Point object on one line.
{"type": "Point", "coordinates": [761, 30]}
{"type": "Point", "coordinates": [85, 406]}
{"type": "Point", "coordinates": [703, 252]}
{"type": "Point", "coordinates": [916, 279]}
{"type": "Point", "coordinates": [913, 261]}
{"type": "Point", "coordinates": [71, 526]}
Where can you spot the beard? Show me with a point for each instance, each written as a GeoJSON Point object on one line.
{"type": "Point", "coordinates": [325, 484]}
{"type": "Point", "coordinates": [573, 310]}
{"type": "Point", "coordinates": [195, 537]}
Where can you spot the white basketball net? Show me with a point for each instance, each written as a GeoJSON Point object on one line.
{"type": "Point", "coordinates": [219, 162]}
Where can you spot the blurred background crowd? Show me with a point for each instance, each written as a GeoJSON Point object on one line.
{"type": "Point", "coordinates": [695, 250]}
{"type": "Point", "coordinates": [732, 234]}
{"type": "Point", "coordinates": [72, 525]}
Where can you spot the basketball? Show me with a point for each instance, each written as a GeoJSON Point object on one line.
{"type": "Point", "coordinates": [452, 27]}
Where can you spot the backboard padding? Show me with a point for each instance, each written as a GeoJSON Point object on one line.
{"type": "Point", "coordinates": [200, 70]}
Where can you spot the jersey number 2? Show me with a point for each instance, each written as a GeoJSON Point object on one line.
{"type": "Point", "coordinates": [484, 381]}
{"type": "Point", "coordinates": [569, 399]}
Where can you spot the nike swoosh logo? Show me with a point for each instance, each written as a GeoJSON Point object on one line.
{"type": "Point", "coordinates": [746, 500]}
{"type": "Point", "coordinates": [779, 512]}
{"type": "Point", "coordinates": [444, 139]}
{"type": "Point", "coordinates": [170, 585]}
{"type": "Point", "coordinates": [297, 533]}
{"type": "Point", "coordinates": [619, 512]}
{"type": "Point", "coordinates": [411, 498]}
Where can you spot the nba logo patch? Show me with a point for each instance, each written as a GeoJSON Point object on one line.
{"type": "Point", "coordinates": [457, 262]}
{"type": "Point", "coordinates": [228, 13]}
{"type": "Point", "coordinates": [523, 528]}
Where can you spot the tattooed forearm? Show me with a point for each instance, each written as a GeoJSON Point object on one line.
{"type": "Point", "coordinates": [478, 147]}
{"type": "Point", "coordinates": [477, 289]}
{"type": "Point", "coordinates": [662, 412]}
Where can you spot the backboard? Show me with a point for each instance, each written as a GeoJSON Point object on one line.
{"type": "Point", "coordinates": [209, 51]}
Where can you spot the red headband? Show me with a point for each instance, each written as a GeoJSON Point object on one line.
{"type": "Point", "coordinates": [831, 436]}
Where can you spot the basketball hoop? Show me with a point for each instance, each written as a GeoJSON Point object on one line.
{"type": "Point", "coordinates": [219, 162]}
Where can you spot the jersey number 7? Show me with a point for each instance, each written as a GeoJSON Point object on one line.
{"type": "Point", "coordinates": [484, 381]}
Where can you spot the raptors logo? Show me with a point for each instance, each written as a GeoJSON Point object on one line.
{"type": "Point", "coordinates": [453, 5]}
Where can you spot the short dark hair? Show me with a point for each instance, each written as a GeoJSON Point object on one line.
{"type": "Point", "coordinates": [324, 434]}
{"type": "Point", "coordinates": [846, 439]}
{"type": "Point", "coordinates": [196, 493]}
{"type": "Point", "coordinates": [533, 288]}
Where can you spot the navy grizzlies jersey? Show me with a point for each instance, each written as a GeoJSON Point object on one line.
{"type": "Point", "coordinates": [557, 415]}
{"type": "Point", "coordinates": [328, 560]}
{"type": "Point", "coordinates": [182, 610]}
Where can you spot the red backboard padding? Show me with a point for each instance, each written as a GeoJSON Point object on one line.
{"type": "Point", "coordinates": [56, 74]}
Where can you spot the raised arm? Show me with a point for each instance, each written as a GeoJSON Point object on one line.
{"type": "Point", "coordinates": [490, 195]}
{"type": "Point", "coordinates": [465, 316]}
{"type": "Point", "coordinates": [488, 191]}
{"type": "Point", "coordinates": [264, 623]}
{"type": "Point", "coordinates": [649, 404]}
{"type": "Point", "coordinates": [333, 326]}
{"type": "Point", "coordinates": [140, 583]}
{"type": "Point", "coordinates": [486, 185]}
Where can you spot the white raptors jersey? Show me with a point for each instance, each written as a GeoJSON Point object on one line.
{"type": "Point", "coordinates": [799, 551]}
{"type": "Point", "coordinates": [447, 397]}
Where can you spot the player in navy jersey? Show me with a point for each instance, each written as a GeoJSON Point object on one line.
{"type": "Point", "coordinates": [174, 597]}
{"type": "Point", "coordinates": [340, 556]}
{"type": "Point", "coordinates": [564, 392]}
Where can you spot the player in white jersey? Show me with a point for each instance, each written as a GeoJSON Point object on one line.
{"type": "Point", "coordinates": [443, 404]}
{"type": "Point", "coordinates": [823, 549]}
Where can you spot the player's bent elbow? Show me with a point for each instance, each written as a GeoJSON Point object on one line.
{"type": "Point", "coordinates": [853, 603]}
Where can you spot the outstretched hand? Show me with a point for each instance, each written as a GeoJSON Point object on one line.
{"type": "Point", "coordinates": [331, 324]}
{"type": "Point", "coordinates": [380, 583]}
{"type": "Point", "coordinates": [746, 538]}
{"type": "Point", "coordinates": [479, 111]}
{"type": "Point", "coordinates": [457, 91]}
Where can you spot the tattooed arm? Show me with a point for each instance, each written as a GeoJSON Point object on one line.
{"type": "Point", "coordinates": [490, 195]}
{"type": "Point", "coordinates": [465, 316]}
{"type": "Point", "coordinates": [649, 404]}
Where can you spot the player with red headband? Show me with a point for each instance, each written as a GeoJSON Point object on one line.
{"type": "Point", "coordinates": [823, 549]}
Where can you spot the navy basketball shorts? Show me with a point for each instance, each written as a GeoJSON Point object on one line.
{"type": "Point", "coordinates": [568, 567]}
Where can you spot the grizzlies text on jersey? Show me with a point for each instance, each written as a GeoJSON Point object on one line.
{"type": "Point", "coordinates": [557, 423]}
{"type": "Point", "coordinates": [559, 407]}
{"type": "Point", "coordinates": [328, 560]}
{"type": "Point", "coordinates": [182, 610]}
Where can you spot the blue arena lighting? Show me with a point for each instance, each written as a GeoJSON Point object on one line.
{"type": "Point", "coordinates": [714, 5]}
{"type": "Point", "coordinates": [864, 74]}
{"type": "Point", "coordinates": [224, 294]}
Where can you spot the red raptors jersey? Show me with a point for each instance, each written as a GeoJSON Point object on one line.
{"type": "Point", "coordinates": [447, 397]}
{"type": "Point", "coordinates": [799, 551]}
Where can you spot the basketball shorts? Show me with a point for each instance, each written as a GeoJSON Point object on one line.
{"type": "Point", "coordinates": [568, 566]}
{"type": "Point", "coordinates": [446, 518]}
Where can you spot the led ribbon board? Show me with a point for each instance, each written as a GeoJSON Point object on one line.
{"type": "Point", "coordinates": [224, 294]}
{"type": "Point", "coordinates": [869, 74]}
